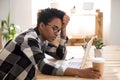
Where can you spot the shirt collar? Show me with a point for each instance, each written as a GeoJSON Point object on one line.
{"type": "Point", "coordinates": [39, 36]}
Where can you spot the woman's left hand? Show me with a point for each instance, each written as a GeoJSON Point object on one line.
{"type": "Point", "coordinates": [66, 19]}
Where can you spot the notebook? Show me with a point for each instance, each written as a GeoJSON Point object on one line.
{"type": "Point", "coordinates": [80, 64]}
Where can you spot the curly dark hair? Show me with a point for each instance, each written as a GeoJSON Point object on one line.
{"type": "Point", "coordinates": [48, 14]}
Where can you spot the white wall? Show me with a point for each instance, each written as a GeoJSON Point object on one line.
{"type": "Point", "coordinates": [20, 10]}
{"type": "Point", "coordinates": [4, 9]}
{"type": "Point", "coordinates": [115, 22]}
{"type": "Point", "coordinates": [21, 14]}
{"type": "Point", "coordinates": [81, 25]}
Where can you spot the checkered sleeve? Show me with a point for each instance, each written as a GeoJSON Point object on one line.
{"type": "Point", "coordinates": [32, 47]}
{"type": "Point", "coordinates": [14, 64]}
{"type": "Point", "coordinates": [23, 56]}
{"type": "Point", "coordinates": [43, 65]}
{"type": "Point", "coordinates": [57, 52]}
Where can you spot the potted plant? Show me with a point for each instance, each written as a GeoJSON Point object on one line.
{"type": "Point", "coordinates": [98, 43]}
{"type": "Point", "coordinates": [8, 29]}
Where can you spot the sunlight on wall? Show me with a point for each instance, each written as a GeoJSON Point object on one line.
{"type": "Point", "coordinates": [81, 25]}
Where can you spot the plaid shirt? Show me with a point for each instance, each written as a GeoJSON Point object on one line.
{"type": "Point", "coordinates": [23, 56]}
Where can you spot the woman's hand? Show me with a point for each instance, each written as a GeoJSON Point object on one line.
{"type": "Point", "coordinates": [89, 73]}
{"type": "Point", "coordinates": [66, 19]}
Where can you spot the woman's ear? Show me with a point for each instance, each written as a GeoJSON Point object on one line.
{"type": "Point", "coordinates": [41, 25]}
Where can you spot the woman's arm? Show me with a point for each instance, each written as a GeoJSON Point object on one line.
{"type": "Point", "coordinates": [83, 73]}
{"type": "Point", "coordinates": [58, 52]}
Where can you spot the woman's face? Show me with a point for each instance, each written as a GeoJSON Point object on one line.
{"type": "Point", "coordinates": [51, 30]}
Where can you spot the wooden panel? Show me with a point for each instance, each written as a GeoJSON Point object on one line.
{"type": "Point", "coordinates": [99, 24]}
{"type": "Point", "coordinates": [77, 40]}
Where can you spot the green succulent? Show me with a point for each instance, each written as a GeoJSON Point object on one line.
{"type": "Point", "coordinates": [98, 43]}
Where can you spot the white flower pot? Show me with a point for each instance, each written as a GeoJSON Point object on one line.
{"type": "Point", "coordinates": [98, 52]}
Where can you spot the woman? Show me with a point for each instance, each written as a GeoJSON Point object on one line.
{"type": "Point", "coordinates": [23, 56]}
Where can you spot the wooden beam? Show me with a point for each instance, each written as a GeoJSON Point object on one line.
{"type": "Point", "coordinates": [99, 24]}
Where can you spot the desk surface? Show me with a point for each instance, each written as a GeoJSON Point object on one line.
{"type": "Point", "coordinates": [111, 68]}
